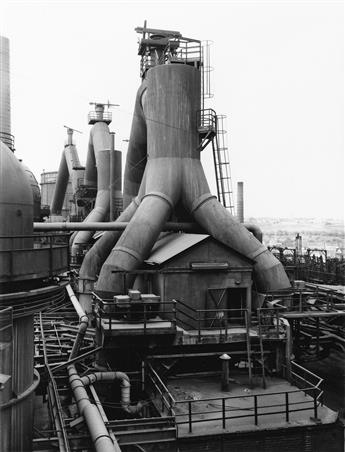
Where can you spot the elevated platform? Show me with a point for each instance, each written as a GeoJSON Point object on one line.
{"type": "Point", "coordinates": [113, 327]}
{"type": "Point", "coordinates": [202, 408]}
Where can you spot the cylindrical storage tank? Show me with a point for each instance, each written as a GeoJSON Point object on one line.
{"type": "Point", "coordinates": [48, 181]}
{"type": "Point", "coordinates": [16, 211]}
{"type": "Point", "coordinates": [16, 214]}
{"type": "Point", "coordinates": [36, 193]}
{"type": "Point", "coordinates": [5, 95]}
{"type": "Point", "coordinates": [240, 202]}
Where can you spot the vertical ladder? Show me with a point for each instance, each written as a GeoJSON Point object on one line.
{"type": "Point", "coordinates": [249, 350]}
{"type": "Point", "coordinates": [222, 166]}
{"type": "Point", "coordinates": [262, 357]}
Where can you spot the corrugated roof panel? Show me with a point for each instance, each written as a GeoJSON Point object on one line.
{"type": "Point", "coordinates": [173, 244]}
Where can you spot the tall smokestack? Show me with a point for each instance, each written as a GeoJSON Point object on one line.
{"type": "Point", "coordinates": [5, 95]}
{"type": "Point", "coordinates": [240, 208]}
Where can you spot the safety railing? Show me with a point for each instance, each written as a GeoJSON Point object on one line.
{"type": "Point", "coordinates": [204, 320]}
{"type": "Point", "coordinates": [304, 378]}
{"type": "Point", "coordinates": [48, 254]}
{"type": "Point", "coordinates": [189, 51]}
{"type": "Point", "coordinates": [249, 406]}
{"type": "Point", "coordinates": [269, 322]}
{"type": "Point", "coordinates": [207, 121]}
{"type": "Point", "coordinates": [7, 139]}
{"type": "Point", "coordinates": [198, 411]}
{"type": "Point", "coordinates": [144, 314]}
{"type": "Point", "coordinates": [104, 116]}
{"type": "Point", "coordinates": [302, 299]}
{"type": "Point", "coordinates": [157, 388]}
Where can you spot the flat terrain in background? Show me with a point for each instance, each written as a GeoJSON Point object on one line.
{"type": "Point", "coordinates": [316, 233]}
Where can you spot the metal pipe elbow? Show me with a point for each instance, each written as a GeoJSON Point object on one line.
{"type": "Point", "coordinates": [255, 230]}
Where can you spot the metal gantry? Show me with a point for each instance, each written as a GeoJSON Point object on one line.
{"type": "Point", "coordinates": [55, 332]}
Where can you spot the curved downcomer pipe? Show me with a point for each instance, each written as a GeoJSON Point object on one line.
{"type": "Point", "coordinates": [173, 172]}
{"type": "Point", "coordinates": [255, 230]}
{"type": "Point", "coordinates": [69, 160]}
{"type": "Point", "coordinates": [136, 152]}
{"type": "Point", "coordinates": [134, 171]}
{"type": "Point", "coordinates": [99, 146]}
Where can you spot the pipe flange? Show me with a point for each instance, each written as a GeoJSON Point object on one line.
{"type": "Point", "coordinates": [129, 251]}
{"type": "Point", "coordinates": [201, 200]}
{"type": "Point", "coordinates": [162, 196]}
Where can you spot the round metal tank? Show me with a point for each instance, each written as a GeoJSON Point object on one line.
{"type": "Point", "coordinates": [48, 181]}
{"type": "Point", "coordinates": [5, 96]}
{"type": "Point", "coordinates": [16, 213]}
{"type": "Point", "coordinates": [16, 201]}
{"type": "Point", "coordinates": [36, 193]}
{"type": "Point", "coordinates": [48, 184]}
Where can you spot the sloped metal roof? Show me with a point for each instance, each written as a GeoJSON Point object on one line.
{"type": "Point", "coordinates": [173, 244]}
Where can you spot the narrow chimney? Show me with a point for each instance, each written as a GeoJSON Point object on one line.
{"type": "Point", "coordinates": [240, 207]}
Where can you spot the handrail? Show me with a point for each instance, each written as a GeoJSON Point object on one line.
{"type": "Point", "coordinates": [254, 410]}
{"type": "Point", "coordinates": [167, 399]}
{"type": "Point", "coordinates": [184, 304]}
{"type": "Point", "coordinates": [308, 372]}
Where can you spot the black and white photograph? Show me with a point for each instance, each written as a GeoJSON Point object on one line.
{"type": "Point", "coordinates": [172, 242]}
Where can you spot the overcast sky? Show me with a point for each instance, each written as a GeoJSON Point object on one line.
{"type": "Point", "coordinates": [278, 76]}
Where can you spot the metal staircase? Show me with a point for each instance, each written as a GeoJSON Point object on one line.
{"type": "Point", "coordinates": [256, 355]}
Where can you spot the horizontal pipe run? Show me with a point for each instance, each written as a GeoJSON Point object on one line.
{"type": "Point", "coordinates": [121, 226]}
{"type": "Point", "coordinates": [108, 226]}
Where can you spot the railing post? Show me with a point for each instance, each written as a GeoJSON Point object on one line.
{"type": "Point", "coordinates": [223, 411]}
{"type": "Point", "coordinates": [174, 313]}
{"type": "Point", "coordinates": [144, 319]}
{"type": "Point", "coordinates": [143, 375]}
{"type": "Point", "coordinates": [199, 329]}
{"type": "Point", "coordinates": [315, 404]}
{"type": "Point", "coordinates": [317, 335]}
{"type": "Point", "coordinates": [256, 409]}
{"type": "Point", "coordinates": [287, 407]}
{"type": "Point", "coordinates": [50, 257]}
{"type": "Point", "coordinates": [300, 300]}
{"type": "Point", "coordinates": [190, 416]}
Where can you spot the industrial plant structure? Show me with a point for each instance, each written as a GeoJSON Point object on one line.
{"type": "Point", "coordinates": [150, 318]}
